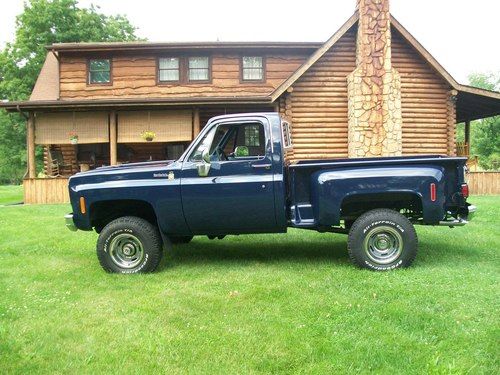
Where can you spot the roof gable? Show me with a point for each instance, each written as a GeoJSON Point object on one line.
{"type": "Point", "coordinates": [315, 57]}
{"type": "Point", "coordinates": [406, 35]}
{"type": "Point", "coordinates": [47, 83]}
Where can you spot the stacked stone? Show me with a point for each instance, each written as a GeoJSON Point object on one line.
{"type": "Point", "coordinates": [374, 87]}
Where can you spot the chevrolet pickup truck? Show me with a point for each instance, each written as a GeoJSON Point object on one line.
{"type": "Point", "coordinates": [234, 178]}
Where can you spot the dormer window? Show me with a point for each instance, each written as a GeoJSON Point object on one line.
{"type": "Point", "coordinates": [168, 69]}
{"type": "Point", "coordinates": [252, 68]}
{"type": "Point", "coordinates": [99, 71]}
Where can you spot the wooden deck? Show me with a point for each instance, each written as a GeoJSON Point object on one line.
{"type": "Point", "coordinates": [46, 190]}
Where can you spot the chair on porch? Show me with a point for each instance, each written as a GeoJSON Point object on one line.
{"type": "Point", "coordinates": [56, 163]}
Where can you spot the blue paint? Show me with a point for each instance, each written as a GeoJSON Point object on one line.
{"type": "Point", "coordinates": [261, 194]}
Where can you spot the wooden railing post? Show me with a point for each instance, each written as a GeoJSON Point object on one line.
{"type": "Point", "coordinates": [196, 122]}
{"type": "Point", "coordinates": [113, 136]}
{"type": "Point", "coordinates": [467, 137]}
{"type": "Point", "coordinates": [30, 138]}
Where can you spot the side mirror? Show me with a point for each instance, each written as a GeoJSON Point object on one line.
{"type": "Point", "coordinates": [204, 166]}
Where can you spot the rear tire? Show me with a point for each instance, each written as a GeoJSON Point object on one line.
{"type": "Point", "coordinates": [129, 244]}
{"type": "Point", "coordinates": [382, 240]}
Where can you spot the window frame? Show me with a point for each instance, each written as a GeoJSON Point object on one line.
{"type": "Point", "coordinates": [187, 157]}
{"type": "Point", "coordinates": [183, 70]}
{"type": "Point", "coordinates": [263, 79]}
{"type": "Point", "coordinates": [160, 82]}
{"type": "Point", "coordinates": [209, 69]}
{"type": "Point", "coordinates": [110, 82]}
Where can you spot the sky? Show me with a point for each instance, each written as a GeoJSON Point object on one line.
{"type": "Point", "coordinates": [461, 34]}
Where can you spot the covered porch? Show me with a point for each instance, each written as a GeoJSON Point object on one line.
{"type": "Point", "coordinates": [78, 140]}
{"type": "Point", "coordinates": [473, 104]}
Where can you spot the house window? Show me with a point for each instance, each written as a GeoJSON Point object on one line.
{"type": "Point", "coordinates": [198, 69]}
{"type": "Point", "coordinates": [252, 68]}
{"type": "Point", "coordinates": [168, 69]}
{"type": "Point", "coordinates": [99, 71]}
{"type": "Point", "coordinates": [252, 136]}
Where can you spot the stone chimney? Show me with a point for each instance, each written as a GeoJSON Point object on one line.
{"type": "Point", "coordinates": [374, 87]}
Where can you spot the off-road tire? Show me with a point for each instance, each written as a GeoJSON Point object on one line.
{"type": "Point", "coordinates": [386, 227]}
{"type": "Point", "coordinates": [129, 233]}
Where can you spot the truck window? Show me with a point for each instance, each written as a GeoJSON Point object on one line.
{"type": "Point", "coordinates": [231, 142]}
{"type": "Point", "coordinates": [287, 135]}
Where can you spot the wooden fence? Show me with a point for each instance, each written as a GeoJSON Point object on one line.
{"type": "Point", "coordinates": [484, 183]}
{"type": "Point", "coordinates": [46, 190]}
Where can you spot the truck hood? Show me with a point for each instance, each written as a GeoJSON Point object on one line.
{"type": "Point", "coordinates": [132, 171]}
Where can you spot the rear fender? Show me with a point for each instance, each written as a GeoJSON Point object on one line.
{"type": "Point", "coordinates": [331, 188]}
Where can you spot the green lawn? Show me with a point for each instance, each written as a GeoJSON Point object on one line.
{"type": "Point", "coordinates": [249, 304]}
{"type": "Point", "coordinates": [10, 194]}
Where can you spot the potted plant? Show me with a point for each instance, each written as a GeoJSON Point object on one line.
{"type": "Point", "coordinates": [148, 135]}
{"type": "Point", "coordinates": [73, 138]}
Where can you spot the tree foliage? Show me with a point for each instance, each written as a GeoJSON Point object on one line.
{"type": "Point", "coordinates": [485, 134]}
{"type": "Point", "coordinates": [42, 23]}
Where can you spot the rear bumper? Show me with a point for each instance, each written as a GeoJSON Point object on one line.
{"type": "Point", "coordinates": [68, 218]}
{"type": "Point", "coordinates": [460, 221]}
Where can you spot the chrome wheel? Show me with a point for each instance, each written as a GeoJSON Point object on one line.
{"type": "Point", "coordinates": [126, 250]}
{"type": "Point", "coordinates": [383, 244]}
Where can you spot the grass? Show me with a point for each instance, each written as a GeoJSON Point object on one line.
{"type": "Point", "coordinates": [11, 194]}
{"type": "Point", "coordinates": [249, 304]}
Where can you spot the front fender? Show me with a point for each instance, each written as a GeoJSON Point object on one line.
{"type": "Point", "coordinates": [330, 188]}
{"type": "Point", "coordinates": [162, 194]}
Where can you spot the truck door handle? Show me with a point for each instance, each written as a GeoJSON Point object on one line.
{"type": "Point", "coordinates": [262, 166]}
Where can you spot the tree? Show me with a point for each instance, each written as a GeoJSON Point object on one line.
{"type": "Point", "coordinates": [42, 23]}
{"type": "Point", "coordinates": [485, 134]}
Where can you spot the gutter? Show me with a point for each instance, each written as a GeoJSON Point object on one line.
{"type": "Point", "coordinates": [114, 103]}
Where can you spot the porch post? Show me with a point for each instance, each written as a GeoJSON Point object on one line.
{"type": "Point", "coordinates": [467, 137]}
{"type": "Point", "coordinates": [30, 137]}
{"type": "Point", "coordinates": [113, 154]}
{"type": "Point", "coordinates": [196, 122]}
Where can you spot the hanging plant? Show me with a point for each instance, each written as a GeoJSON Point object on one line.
{"type": "Point", "coordinates": [73, 138]}
{"type": "Point", "coordinates": [148, 135]}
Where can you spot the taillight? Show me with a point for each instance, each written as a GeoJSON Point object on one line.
{"type": "Point", "coordinates": [464, 189]}
{"type": "Point", "coordinates": [433, 192]}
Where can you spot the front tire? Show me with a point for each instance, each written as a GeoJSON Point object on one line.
{"type": "Point", "coordinates": [382, 240]}
{"type": "Point", "coordinates": [129, 244]}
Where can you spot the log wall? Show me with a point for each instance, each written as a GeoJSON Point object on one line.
{"type": "Point", "coordinates": [135, 77]}
{"type": "Point", "coordinates": [320, 108]}
{"type": "Point", "coordinates": [319, 103]}
{"type": "Point", "coordinates": [424, 101]}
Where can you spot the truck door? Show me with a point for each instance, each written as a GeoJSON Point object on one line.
{"type": "Point", "coordinates": [237, 195]}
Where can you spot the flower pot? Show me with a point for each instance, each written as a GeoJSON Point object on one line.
{"type": "Point", "coordinates": [74, 141]}
{"type": "Point", "coordinates": [149, 139]}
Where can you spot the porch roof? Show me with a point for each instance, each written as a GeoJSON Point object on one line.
{"type": "Point", "coordinates": [33, 105]}
{"type": "Point", "coordinates": [474, 103]}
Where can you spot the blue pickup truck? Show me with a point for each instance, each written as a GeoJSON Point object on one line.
{"type": "Point", "coordinates": [234, 178]}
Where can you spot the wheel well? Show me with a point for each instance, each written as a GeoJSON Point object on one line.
{"type": "Point", "coordinates": [410, 204]}
{"type": "Point", "coordinates": [102, 213]}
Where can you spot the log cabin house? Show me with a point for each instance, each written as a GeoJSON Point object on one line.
{"type": "Point", "coordinates": [370, 90]}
